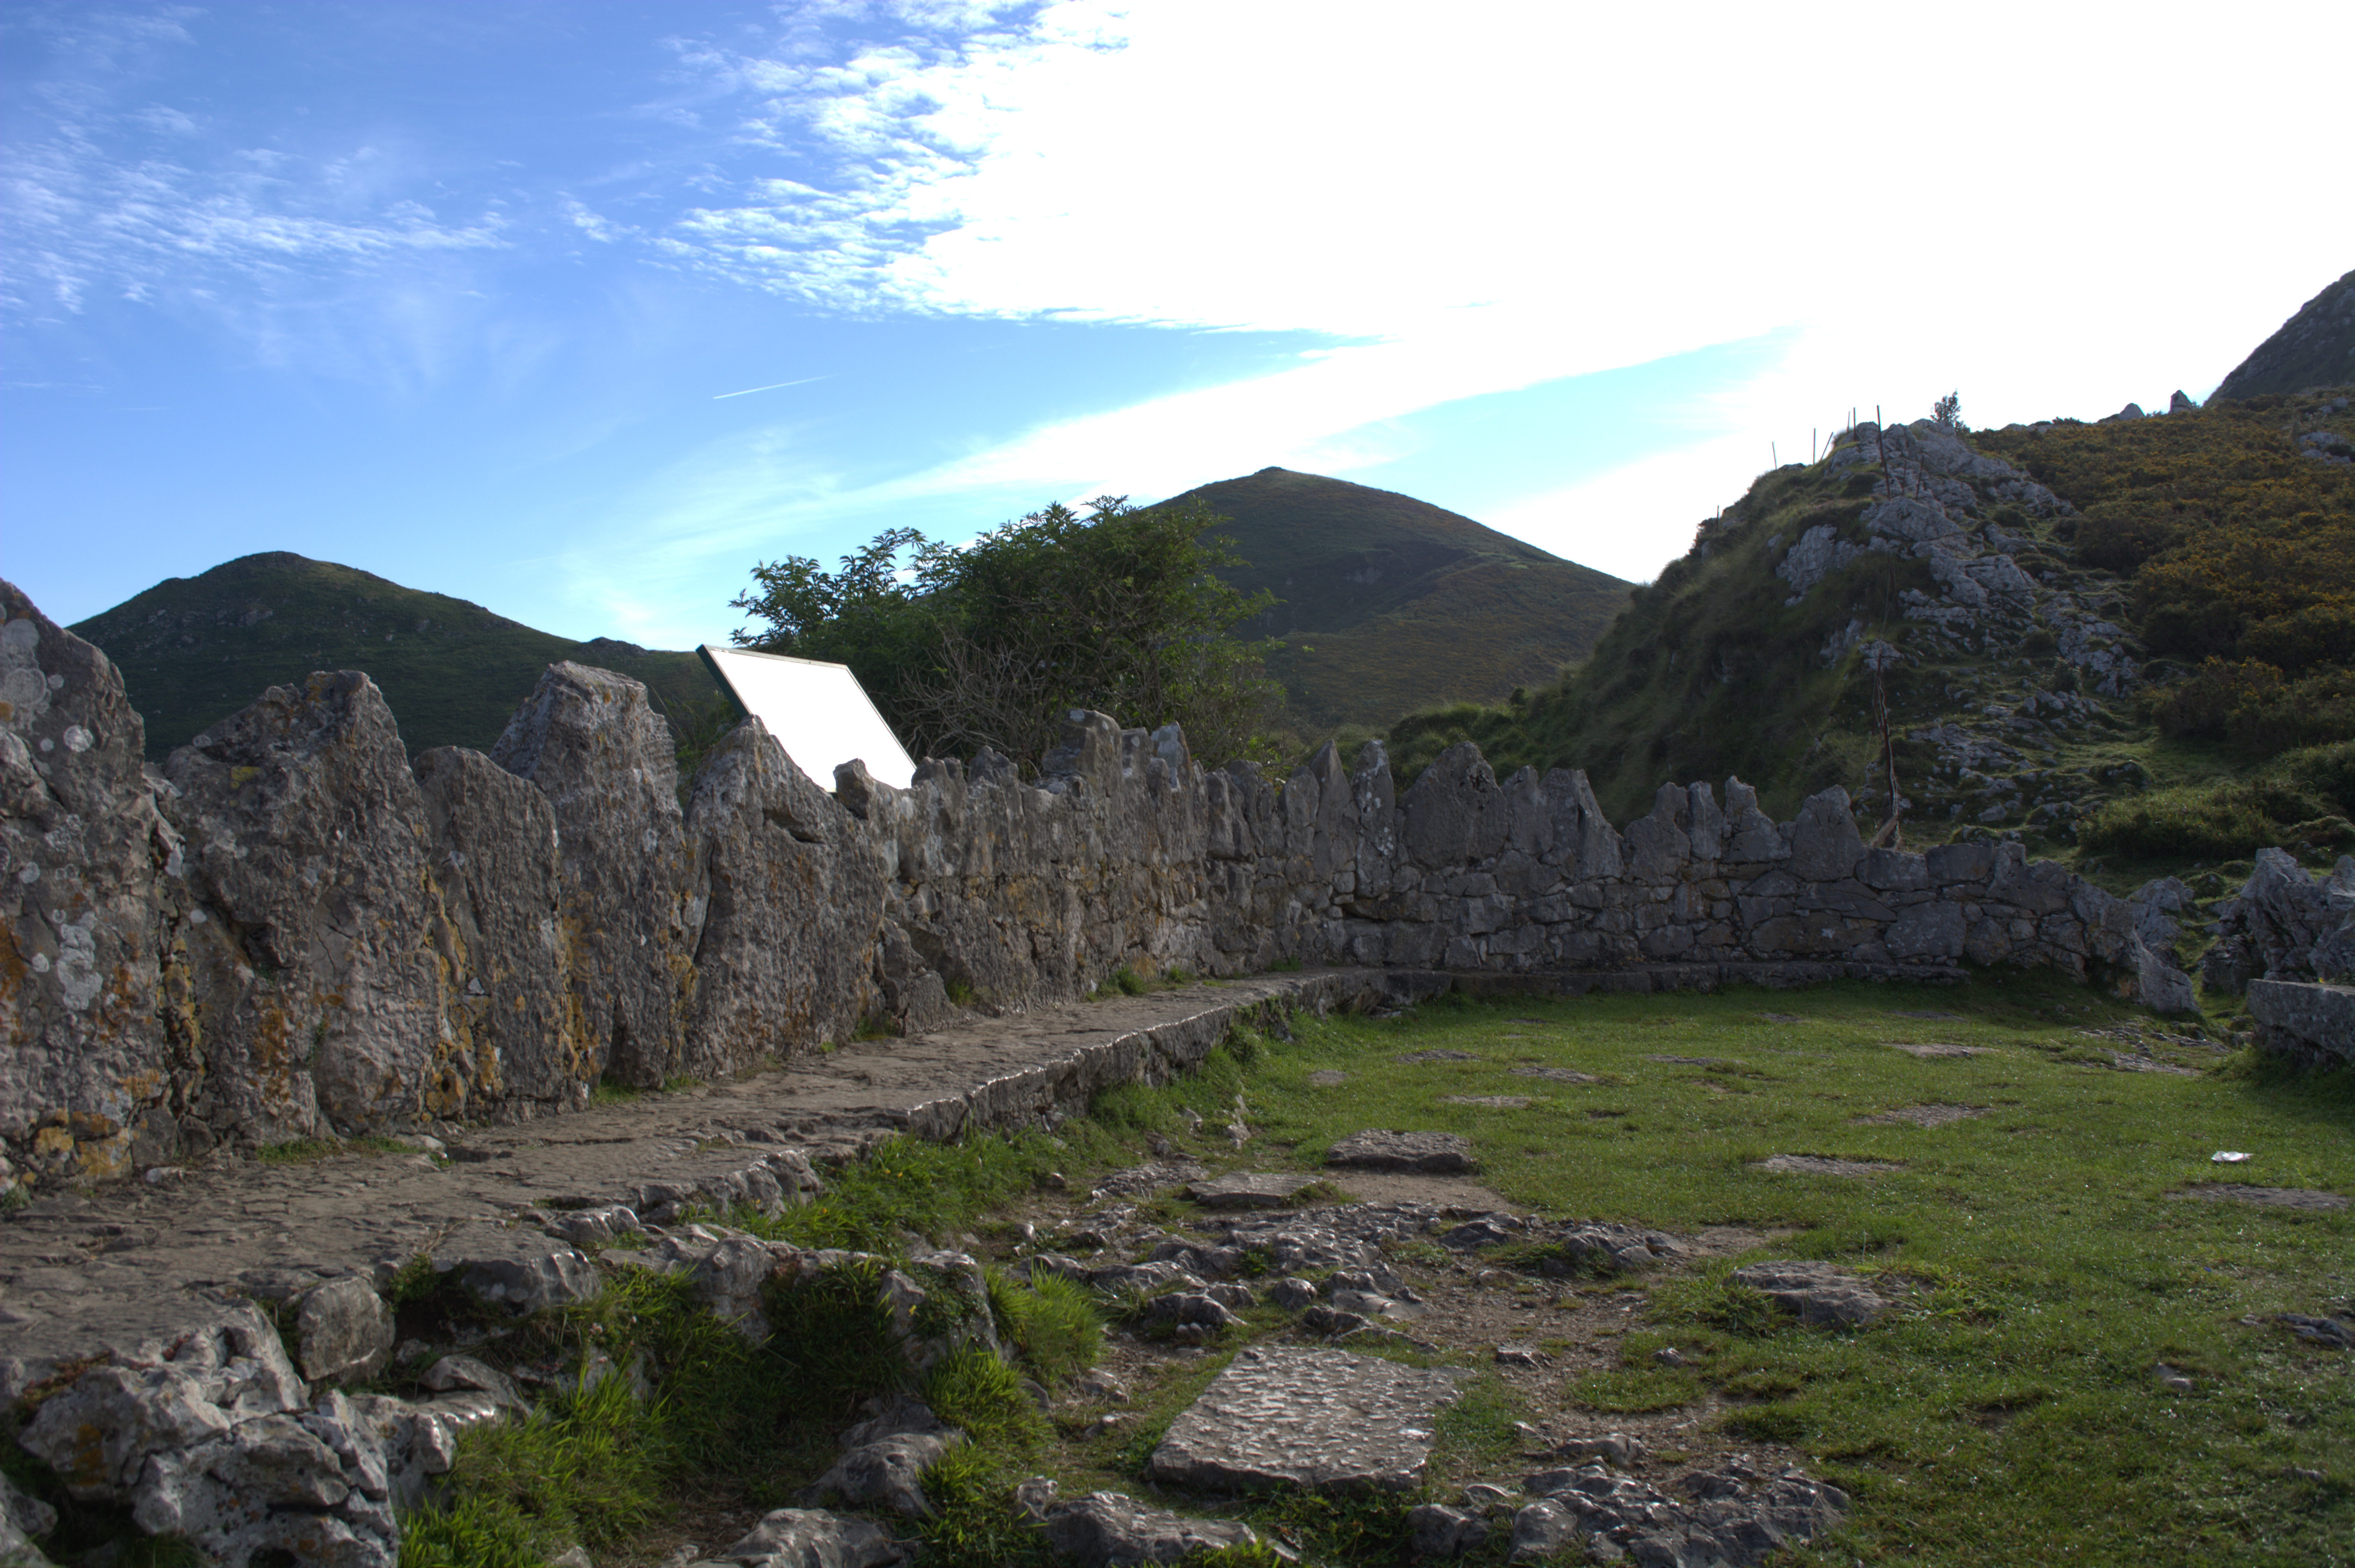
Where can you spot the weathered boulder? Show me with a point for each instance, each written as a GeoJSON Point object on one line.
{"type": "Point", "coordinates": [2307, 1022]}
{"type": "Point", "coordinates": [22, 1517]}
{"type": "Point", "coordinates": [633, 893]}
{"type": "Point", "coordinates": [87, 1077]}
{"type": "Point", "coordinates": [1824, 844]}
{"type": "Point", "coordinates": [310, 922]}
{"type": "Point", "coordinates": [521, 1271]}
{"type": "Point", "coordinates": [504, 936]}
{"type": "Point", "coordinates": [345, 1331]}
{"type": "Point", "coordinates": [2284, 926]}
{"type": "Point", "coordinates": [1822, 1295]}
{"type": "Point", "coordinates": [785, 960]}
{"type": "Point", "coordinates": [1112, 1530]}
{"type": "Point", "coordinates": [813, 1538]}
{"type": "Point", "coordinates": [1431, 1153]}
{"type": "Point", "coordinates": [1322, 1419]}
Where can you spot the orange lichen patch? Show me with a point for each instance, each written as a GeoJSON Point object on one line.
{"type": "Point", "coordinates": [53, 1143]}
{"type": "Point", "coordinates": [104, 1158]}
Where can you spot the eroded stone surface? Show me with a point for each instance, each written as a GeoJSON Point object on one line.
{"type": "Point", "coordinates": [1106, 1529]}
{"type": "Point", "coordinates": [1823, 1295]}
{"type": "Point", "coordinates": [1248, 1189]}
{"type": "Point", "coordinates": [1322, 1419]}
{"type": "Point", "coordinates": [1732, 1516]}
{"type": "Point", "coordinates": [1433, 1153]}
{"type": "Point", "coordinates": [812, 1538]}
{"type": "Point", "coordinates": [1822, 1165]}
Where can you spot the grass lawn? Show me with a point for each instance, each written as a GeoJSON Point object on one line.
{"type": "Point", "coordinates": [2084, 1362]}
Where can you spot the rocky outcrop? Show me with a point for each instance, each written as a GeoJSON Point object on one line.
{"type": "Point", "coordinates": [88, 1070]}
{"type": "Point", "coordinates": [309, 919]}
{"type": "Point", "coordinates": [297, 931]}
{"type": "Point", "coordinates": [634, 894]}
{"type": "Point", "coordinates": [2311, 1024]}
{"type": "Point", "coordinates": [785, 957]}
{"type": "Point", "coordinates": [2284, 926]}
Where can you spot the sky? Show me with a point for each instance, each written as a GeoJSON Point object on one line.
{"type": "Point", "coordinates": [579, 310]}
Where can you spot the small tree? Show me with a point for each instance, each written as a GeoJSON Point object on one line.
{"type": "Point", "coordinates": [989, 645]}
{"type": "Point", "coordinates": [1947, 412]}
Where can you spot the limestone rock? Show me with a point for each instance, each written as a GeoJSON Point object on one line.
{"type": "Point", "coordinates": [310, 930]}
{"type": "Point", "coordinates": [22, 1517]}
{"type": "Point", "coordinates": [1824, 844]}
{"type": "Point", "coordinates": [2284, 926]}
{"type": "Point", "coordinates": [522, 1271]}
{"type": "Point", "coordinates": [1248, 1189]}
{"type": "Point", "coordinates": [813, 1538]}
{"type": "Point", "coordinates": [886, 1472]}
{"type": "Point", "coordinates": [1431, 1154]}
{"type": "Point", "coordinates": [1542, 1529]}
{"type": "Point", "coordinates": [81, 850]}
{"type": "Point", "coordinates": [796, 903]}
{"type": "Point", "coordinates": [634, 894]}
{"type": "Point", "coordinates": [499, 871]}
{"type": "Point", "coordinates": [1322, 1419]}
{"type": "Point", "coordinates": [1822, 1295]}
{"type": "Point", "coordinates": [2307, 1022]}
{"type": "Point", "coordinates": [1434, 1530]}
{"type": "Point", "coordinates": [1112, 1530]}
{"type": "Point", "coordinates": [345, 1333]}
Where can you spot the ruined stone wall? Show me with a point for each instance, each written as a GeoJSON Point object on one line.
{"type": "Point", "coordinates": [292, 930]}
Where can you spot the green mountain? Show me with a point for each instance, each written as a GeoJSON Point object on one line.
{"type": "Point", "coordinates": [1388, 604]}
{"type": "Point", "coordinates": [195, 649]}
{"type": "Point", "coordinates": [2314, 348]}
{"type": "Point", "coordinates": [2131, 642]}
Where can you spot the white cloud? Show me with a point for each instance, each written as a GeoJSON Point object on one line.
{"type": "Point", "coordinates": [2015, 206]}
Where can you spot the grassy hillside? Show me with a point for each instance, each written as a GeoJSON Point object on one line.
{"type": "Point", "coordinates": [1389, 603]}
{"type": "Point", "coordinates": [194, 649]}
{"type": "Point", "coordinates": [2171, 688]}
{"type": "Point", "coordinates": [2315, 347]}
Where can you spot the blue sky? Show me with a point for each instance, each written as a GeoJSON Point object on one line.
{"type": "Point", "coordinates": [478, 295]}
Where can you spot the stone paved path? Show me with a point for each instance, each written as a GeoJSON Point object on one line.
{"type": "Point", "coordinates": [81, 1273]}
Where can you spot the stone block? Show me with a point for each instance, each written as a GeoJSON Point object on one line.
{"type": "Point", "coordinates": [2310, 1022]}
{"type": "Point", "coordinates": [345, 1331]}
{"type": "Point", "coordinates": [1320, 1419]}
{"type": "Point", "coordinates": [522, 1271]}
{"type": "Point", "coordinates": [1824, 844]}
{"type": "Point", "coordinates": [1431, 1153]}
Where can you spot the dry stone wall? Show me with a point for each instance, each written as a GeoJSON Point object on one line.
{"type": "Point", "coordinates": [293, 929]}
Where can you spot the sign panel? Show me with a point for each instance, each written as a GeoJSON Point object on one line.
{"type": "Point", "coordinates": [819, 713]}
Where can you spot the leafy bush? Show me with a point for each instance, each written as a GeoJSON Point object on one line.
{"type": "Point", "coordinates": [2252, 704]}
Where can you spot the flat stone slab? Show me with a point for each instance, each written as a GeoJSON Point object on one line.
{"type": "Point", "coordinates": [1250, 1190]}
{"type": "Point", "coordinates": [1819, 1165]}
{"type": "Point", "coordinates": [1329, 1078]}
{"type": "Point", "coordinates": [1925, 1116]}
{"type": "Point", "coordinates": [1935, 1050]}
{"type": "Point", "coordinates": [1411, 1057]}
{"type": "Point", "coordinates": [1323, 1420]}
{"type": "Point", "coordinates": [2271, 1197]}
{"type": "Point", "coordinates": [1823, 1295]}
{"type": "Point", "coordinates": [1493, 1102]}
{"type": "Point", "coordinates": [1556, 1075]}
{"type": "Point", "coordinates": [1430, 1153]}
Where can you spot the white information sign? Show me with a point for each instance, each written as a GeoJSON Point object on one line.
{"type": "Point", "coordinates": [819, 713]}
